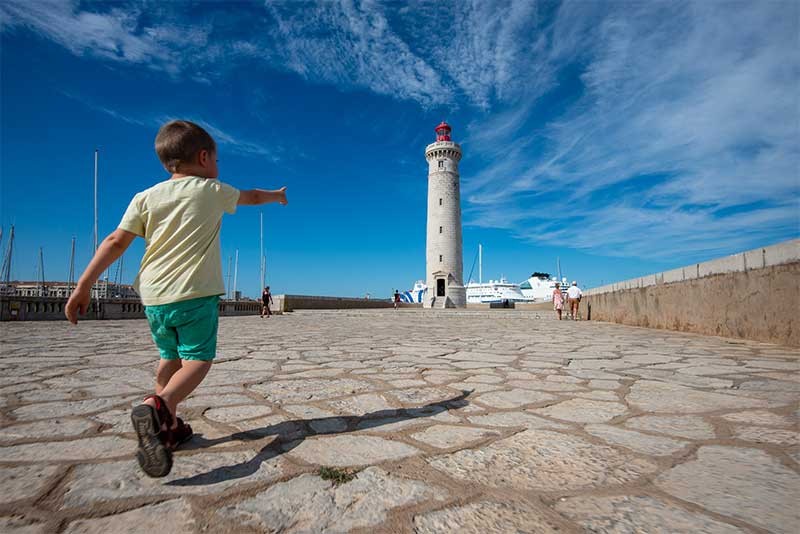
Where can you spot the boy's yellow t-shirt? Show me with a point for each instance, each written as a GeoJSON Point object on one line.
{"type": "Point", "coordinates": [180, 220]}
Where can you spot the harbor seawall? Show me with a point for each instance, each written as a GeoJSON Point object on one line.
{"type": "Point", "coordinates": [15, 308]}
{"type": "Point", "coordinates": [310, 302]}
{"type": "Point", "coordinates": [750, 295]}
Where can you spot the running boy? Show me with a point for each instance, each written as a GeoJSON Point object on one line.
{"type": "Point", "coordinates": [179, 280]}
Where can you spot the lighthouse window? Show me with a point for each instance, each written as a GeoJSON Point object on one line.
{"type": "Point", "coordinates": [440, 201]}
{"type": "Point", "coordinates": [440, 229]}
{"type": "Point", "coordinates": [440, 258]}
{"type": "Point", "coordinates": [441, 164]}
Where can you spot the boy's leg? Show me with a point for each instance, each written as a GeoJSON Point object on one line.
{"type": "Point", "coordinates": [183, 382]}
{"type": "Point", "coordinates": [166, 368]}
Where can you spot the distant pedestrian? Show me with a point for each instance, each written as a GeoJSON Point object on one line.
{"type": "Point", "coordinates": [558, 300]}
{"type": "Point", "coordinates": [396, 299]}
{"type": "Point", "coordinates": [179, 280]}
{"type": "Point", "coordinates": [574, 295]}
{"type": "Point", "coordinates": [266, 301]}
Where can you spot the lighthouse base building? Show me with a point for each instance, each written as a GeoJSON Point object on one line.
{"type": "Point", "coordinates": [444, 253]}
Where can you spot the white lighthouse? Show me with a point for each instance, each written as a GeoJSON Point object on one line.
{"type": "Point", "coordinates": [443, 251]}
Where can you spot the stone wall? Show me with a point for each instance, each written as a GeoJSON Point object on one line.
{"type": "Point", "coordinates": [751, 295]}
{"type": "Point", "coordinates": [52, 309]}
{"type": "Point", "coordinates": [311, 302]}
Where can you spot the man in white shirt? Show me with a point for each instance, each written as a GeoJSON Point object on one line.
{"type": "Point", "coordinates": [574, 294]}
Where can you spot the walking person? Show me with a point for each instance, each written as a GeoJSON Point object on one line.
{"type": "Point", "coordinates": [179, 280]}
{"type": "Point", "coordinates": [266, 301]}
{"type": "Point", "coordinates": [558, 300]}
{"type": "Point", "coordinates": [396, 299]}
{"type": "Point", "coordinates": [574, 295]}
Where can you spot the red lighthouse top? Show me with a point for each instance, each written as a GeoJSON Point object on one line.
{"type": "Point", "coordinates": [443, 132]}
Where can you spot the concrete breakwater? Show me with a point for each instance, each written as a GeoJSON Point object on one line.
{"type": "Point", "coordinates": [750, 295]}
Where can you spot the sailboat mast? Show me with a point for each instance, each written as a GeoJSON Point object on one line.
{"type": "Point", "coordinates": [96, 151]}
{"type": "Point", "coordinates": [6, 270]}
{"type": "Point", "coordinates": [558, 266]}
{"type": "Point", "coordinates": [235, 273]}
{"type": "Point", "coordinates": [43, 286]}
{"type": "Point", "coordinates": [228, 279]}
{"type": "Point", "coordinates": [480, 264]}
{"type": "Point", "coordinates": [71, 280]}
{"type": "Point", "coordinates": [263, 259]}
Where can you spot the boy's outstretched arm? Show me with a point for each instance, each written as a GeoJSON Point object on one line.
{"type": "Point", "coordinates": [260, 196]}
{"type": "Point", "coordinates": [107, 253]}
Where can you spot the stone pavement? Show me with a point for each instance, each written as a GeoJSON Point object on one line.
{"type": "Point", "coordinates": [468, 422]}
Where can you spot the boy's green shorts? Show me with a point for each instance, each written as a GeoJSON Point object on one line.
{"type": "Point", "coordinates": [186, 329]}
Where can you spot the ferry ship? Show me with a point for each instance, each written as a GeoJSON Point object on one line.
{"type": "Point", "coordinates": [494, 291]}
{"type": "Point", "coordinates": [539, 287]}
{"type": "Point", "coordinates": [415, 295]}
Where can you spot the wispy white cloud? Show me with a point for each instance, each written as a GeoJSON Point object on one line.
{"type": "Point", "coordinates": [352, 45]}
{"type": "Point", "coordinates": [686, 137]}
{"type": "Point", "coordinates": [232, 142]}
{"type": "Point", "coordinates": [113, 35]}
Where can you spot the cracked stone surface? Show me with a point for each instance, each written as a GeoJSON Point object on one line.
{"type": "Point", "coordinates": [746, 484]}
{"type": "Point", "coordinates": [584, 411]}
{"type": "Point", "coordinates": [485, 518]}
{"type": "Point", "coordinates": [543, 460]}
{"type": "Point", "coordinates": [688, 426]}
{"type": "Point", "coordinates": [310, 504]}
{"type": "Point", "coordinates": [174, 517]}
{"type": "Point", "coordinates": [24, 482]}
{"type": "Point", "coordinates": [631, 514]}
{"type": "Point", "coordinates": [451, 421]}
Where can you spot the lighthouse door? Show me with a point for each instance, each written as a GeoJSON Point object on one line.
{"type": "Point", "coordinates": [440, 287]}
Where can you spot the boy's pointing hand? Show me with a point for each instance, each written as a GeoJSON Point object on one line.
{"type": "Point", "coordinates": [78, 303]}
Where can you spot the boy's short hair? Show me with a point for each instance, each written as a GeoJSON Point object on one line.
{"type": "Point", "coordinates": [179, 142]}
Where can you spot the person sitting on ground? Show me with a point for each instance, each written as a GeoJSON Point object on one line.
{"type": "Point", "coordinates": [558, 300]}
{"type": "Point", "coordinates": [574, 294]}
{"type": "Point", "coordinates": [266, 301]}
{"type": "Point", "coordinates": [179, 280]}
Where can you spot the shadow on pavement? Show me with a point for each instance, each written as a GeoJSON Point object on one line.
{"type": "Point", "coordinates": [289, 434]}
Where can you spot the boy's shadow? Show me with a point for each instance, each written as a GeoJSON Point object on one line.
{"type": "Point", "coordinates": [289, 434]}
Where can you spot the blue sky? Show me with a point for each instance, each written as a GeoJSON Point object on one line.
{"type": "Point", "coordinates": [622, 138]}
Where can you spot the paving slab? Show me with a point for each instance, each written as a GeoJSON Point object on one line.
{"type": "Point", "coordinates": [193, 474]}
{"type": "Point", "coordinates": [25, 482]}
{"type": "Point", "coordinates": [174, 517]}
{"type": "Point", "coordinates": [545, 461]}
{"type": "Point", "coordinates": [486, 517]}
{"type": "Point", "coordinates": [584, 411]}
{"type": "Point", "coordinates": [348, 451]}
{"type": "Point", "coordinates": [310, 504]}
{"type": "Point", "coordinates": [746, 484]}
{"type": "Point", "coordinates": [682, 426]}
{"type": "Point", "coordinates": [633, 514]}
